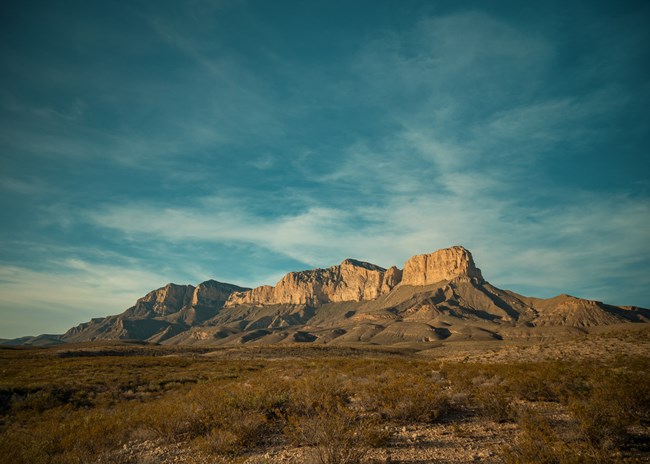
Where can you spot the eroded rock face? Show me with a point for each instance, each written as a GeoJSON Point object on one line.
{"type": "Point", "coordinates": [166, 300]}
{"type": "Point", "coordinates": [173, 298]}
{"type": "Point", "coordinates": [392, 277]}
{"type": "Point", "coordinates": [213, 293]}
{"type": "Point", "coordinates": [444, 264]}
{"type": "Point", "coordinates": [352, 280]}
{"type": "Point", "coordinates": [258, 295]}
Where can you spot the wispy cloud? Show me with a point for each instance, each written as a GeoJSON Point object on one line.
{"type": "Point", "coordinates": [75, 292]}
{"type": "Point", "coordinates": [307, 236]}
{"type": "Point", "coordinates": [546, 248]}
{"type": "Point", "coordinates": [459, 59]}
{"type": "Point", "coordinates": [263, 162]}
{"type": "Point", "coordinates": [28, 186]}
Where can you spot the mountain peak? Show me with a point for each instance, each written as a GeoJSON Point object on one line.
{"type": "Point", "coordinates": [445, 264]}
{"type": "Point", "coordinates": [363, 264]}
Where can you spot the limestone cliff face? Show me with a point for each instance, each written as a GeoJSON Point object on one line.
{"type": "Point", "coordinates": [356, 280]}
{"type": "Point", "coordinates": [351, 280]}
{"type": "Point", "coordinates": [392, 277]}
{"type": "Point", "coordinates": [258, 295]}
{"type": "Point", "coordinates": [173, 298]}
{"type": "Point", "coordinates": [160, 314]}
{"type": "Point", "coordinates": [166, 300]}
{"type": "Point", "coordinates": [441, 265]}
{"type": "Point", "coordinates": [213, 293]}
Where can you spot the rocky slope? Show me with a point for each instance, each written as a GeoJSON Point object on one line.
{"type": "Point", "coordinates": [159, 315]}
{"type": "Point", "coordinates": [438, 296]}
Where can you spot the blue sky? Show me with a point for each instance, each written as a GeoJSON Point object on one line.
{"type": "Point", "coordinates": [146, 142]}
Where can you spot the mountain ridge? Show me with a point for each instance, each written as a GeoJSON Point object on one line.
{"type": "Point", "coordinates": [436, 296]}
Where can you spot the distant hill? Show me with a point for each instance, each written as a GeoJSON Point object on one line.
{"type": "Point", "coordinates": [437, 296]}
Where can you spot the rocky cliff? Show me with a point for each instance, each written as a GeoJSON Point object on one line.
{"type": "Point", "coordinates": [439, 266]}
{"type": "Point", "coordinates": [161, 313]}
{"type": "Point", "coordinates": [354, 280]}
{"type": "Point", "coordinates": [163, 301]}
{"type": "Point", "coordinates": [351, 280]}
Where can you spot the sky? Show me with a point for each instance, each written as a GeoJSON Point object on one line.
{"type": "Point", "coordinates": [148, 142]}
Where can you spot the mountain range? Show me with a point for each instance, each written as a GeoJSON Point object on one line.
{"type": "Point", "coordinates": [437, 296]}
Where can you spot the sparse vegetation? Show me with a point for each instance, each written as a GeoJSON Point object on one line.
{"type": "Point", "coordinates": [337, 406]}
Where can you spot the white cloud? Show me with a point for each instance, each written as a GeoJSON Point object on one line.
{"type": "Point", "coordinates": [47, 301]}
{"type": "Point", "coordinates": [262, 162]}
{"type": "Point", "coordinates": [303, 236]}
{"type": "Point", "coordinates": [28, 186]}
{"type": "Point", "coordinates": [470, 60]}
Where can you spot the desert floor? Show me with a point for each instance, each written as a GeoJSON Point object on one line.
{"type": "Point", "coordinates": [583, 398]}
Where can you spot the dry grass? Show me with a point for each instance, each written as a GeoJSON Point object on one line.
{"type": "Point", "coordinates": [338, 408]}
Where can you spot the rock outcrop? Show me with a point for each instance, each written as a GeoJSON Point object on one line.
{"type": "Point", "coordinates": [169, 310]}
{"type": "Point", "coordinates": [258, 295]}
{"type": "Point", "coordinates": [166, 300]}
{"type": "Point", "coordinates": [351, 280]}
{"type": "Point", "coordinates": [214, 294]}
{"type": "Point", "coordinates": [392, 277]}
{"type": "Point", "coordinates": [439, 266]}
{"type": "Point", "coordinates": [173, 298]}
